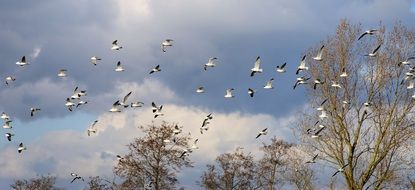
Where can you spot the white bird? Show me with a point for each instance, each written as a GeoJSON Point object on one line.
{"type": "Point", "coordinates": [370, 32]}
{"type": "Point", "coordinates": [155, 69]}
{"type": "Point", "coordinates": [119, 158]}
{"type": "Point", "coordinates": [156, 110]}
{"type": "Point", "coordinates": [317, 82]}
{"type": "Point", "coordinates": [136, 104]}
{"type": "Point", "coordinates": [406, 62]}
{"type": "Point", "coordinates": [115, 107]}
{"type": "Point", "coordinates": [300, 80]}
{"type": "Point", "coordinates": [319, 54]}
{"type": "Point", "coordinates": [344, 73]}
{"type": "Point", "coordinates": [4, 116]}
{"type": "Point", "coordinates": [177, 130]}
{"type": "Point", "coordinates": [323, 114]}
{"type": "Point", "coordinates": [82, 102]}
{"type": "Point", "coordinates": [313, 160]}
{"type": "Point", "coordinates": [92, 128]}
{"type": "Point", "coordinates": [256, 68]}
{"type": "Point", "coordinates": [321, 108]}
{"type": "Point", "coordinates": [340, 170]}
{"type": "Point", "coordinates": [62, 73]}
{"type": "Point", "coordinates": [194, 146]}
{"type": "Point", "coordinates": [115, 45]}
{"type": "Point", "coordinates": [374, 52]}
{"type": "Point", "coordinates": [69, 104]}
{"type": "Point", "coordinates": [9, 136]}
{"type": "Point", "coordinates": [269, 84]}
{"type": "Point", "coordinates": [251, 92]}
{"type": "Point", "coordinates": [21, 148]}
{"type": "Point", "coordinates": [22, 62]}
{"type": "Point", "coordinates": [263, 132]}
{"type": "Point", "coordinates": [7, 124]}
{"type": "Point", "coordinates": [281, 69]}
{"type": "Point", "coordinates": [76, 176]}
{"type": "Point", "coordinates": [317, 133]}
{"type": "Point", "coordinates": [33, 110]}
{"type": "Point", "coordinates": [204, 127]}
{"type": "Point", "coordinates": [335, 84]}
{"type": "Point", "coordinates": [229, 93]}
{"type": "Point", "coordinates": [200, 89]}
{"type": "Point", "coordinates": [9, 79]}
{"type": "Point", "coordinates": [95, 59]}
{"type": "Point", "coordinates": [413, 96]}
{"type": "Point", "coordinates": [78, 93]}
{"type": "Point", "coordinates": [411, 85]}
{"type": "Point", "coordinates": [124, 101]}
{"type": "Point", "coordinates": [210, 63]}
{"type": "Point", "coordinates": [167, 43]}
{"type": "Point", "coordinates": [302, 66]}
{"type": "Point", "coordinates": [119, 67]}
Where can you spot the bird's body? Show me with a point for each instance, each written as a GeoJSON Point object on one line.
{"type": "Point", "coordinates": [62, 73]}
{"type": "Point", "coordinates": [167, 43]}
{"type": "Point", "coordinates": [317, 82]}
{"type": "Point", "coordinates": [123, 103]}
{"type": "Point", "coordinates": [263, 132]}
{"type": "Point", "coordinates": [313, 160]}
{"type": "Point", "coordinates": [374, 52]}
{"type": "Point", "coordinates": [251, 92]}
{"type": "Point", "coordinates": [22, 62]}
{"type": "Point", "coordinates": [281, 69]}
{"type": "Point", "coordinates": [155, 69]}
{"type": "Point", "coordinates": [335, 84]}
{"type": "Point", "coordinates": [115, 46]}
{"type": "Point", "coordinates": [256, 68]}
{"type": "Point", "coordinates": [69, 104]}
{"type": "Point", "coordinates": [4, 116]}
{"type": "Point", "coordinates": [21, 148]}
{"type": "Point", "coordinates": [76, 177]}
{"type": "Point", "coordinates": [407, 61]}
{"type": "Point", "coordinates": [9, 136]}
{"type": "Point", "coordinates": [200, 89]}
{"type": "Point", "coordinates": [318, 57]}
{"type": "Point", "coordinates": [302, 66]}
{"type": "Point", "coordinates": [7, 124]}
{"type": "Point", "coordinates": [9, 79]}
{"type": "Point", "coordinates": [115, 107]}
{"type": "Point", "coordinates": [156, 110]}
{"type": "Point", "coordinates": [119, 67]}
{"type": "Point", "coordinates": [269, 84]}
{"type": "Point", "coordinates": [339, 170]}
{"type": "Point", "coordinates": [344, 73]}
{"type": "Point", "coordinates": [92, 129]}
{"type": "Point", "coordinates": [94, 60]}
{"type": "Point", "coordinates": [136, 104]}
{"type": "Point", "coordinates": [210, 63]}
{"type": "Point", "coordinates": [300, 80]}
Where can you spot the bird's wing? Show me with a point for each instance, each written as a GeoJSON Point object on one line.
{"type": "Point", "coordinates": [257, 62]}
{"type": "Point", "coordinates": [259, 134]}
{"type": "Point", "coordinates": [377, 48]}
{"type": "Point", "coordinates": [126, 96]}
{"type": "Point", "coordinates": [283, 65]}
{"type": "Point", "coordinates": [114, 42]}
{"type": "Point", "coordinates": [361, 36]}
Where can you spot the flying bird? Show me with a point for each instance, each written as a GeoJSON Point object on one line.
{"type": "Point", "coordinates": [115, 107]}
{"type": "Point", "coordinates": [229, 93]}
{"type": "Point", "coordinates": [317, 133]}
{"type": "Point", "coordinates": [4, 116]}
{"type": "Point", "coordinates": [76, 177]}
{"type": "Point", "coordinates": [319, 54]}
{"type": "Point", "coordinates": [167, 43]}
{"type": "Point", "coordinates": [9, 79]}
{"type": "Point", "coordinates": [156, 110]}
{"type": "Point", "coordinates": [78, 93]}
{"type": "Point", "coordinates": [210, 63]}
{"type": "Point", "coordinates": [317, 82]}
{"type": "Point", "coordinates": [124, 101]}
{"type": "Point", "coordinates": [115, 46]}
{"type": "Point", "coordinates": [33, 110]}
{"type": "Point", "coordinates": [119, 67]}
{"type": "Point", "coordinates": [251, 92]}
{"type": "Point", "coordinates": [340, 170]}
{"type": "Point", "coordinates": [256, 68]}
{"type": "Point", "coordinates": [302, 66]}
{"type": "Point", "coordinates": [9, 136]}
{"type": "Point", "coordinates": [344, 73]}
{"type": "Point", "coordinates": [269, 84]}
{"type": "Point", "coordinates": [7, 124]}
{"type": "Point", "coordinates": [335, 84]}
{"type": "Point", "coordinates": [200, 89]}
{"type": "Point", "coordinates": [281, 69]}
{"type": "Point", "coordinates": [155, 69]}
{"type": "Point", "coordinates": [374, 52]}
{"type": "Point", "coordinates": [95, 59]}
{"type": "Point", "coordinates": [82, 102]}
{"type": "Point", "coordinates": [92, 128]}
{"type": "Point", "coordinates": [263, 132]}
{"type": "Point", "coordinates": [367, 32]}
{"type": "Point", "coordinates": [21, 148]}
{"type": "Point", "coordinates": [62, 73]}
{"type": "Point", "coordinates": [136, 104]}
{"type": "Point", "coordinates": [313, 160]}
{"type": "Point", "coordinates": [406, 62]}
{"type": "Point", "coordinates": [323, 114]}
{"type": "Point", "coordinates": [69, 104]}
{"type": "Point", "coordinates": [22, 62]}
{"type": "Point", "coordinates": [194, 146]}
{"type": "Point", "coordinates": [300, 80]}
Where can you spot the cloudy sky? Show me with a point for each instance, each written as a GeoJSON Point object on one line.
{"type": "Point", "coordinates": [62, 34]}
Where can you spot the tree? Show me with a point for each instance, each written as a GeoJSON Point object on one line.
{"type": "Point", "coordinates": [98, 183]}
{"type": "Point", "coordinates": [369, 126]}
{"type": "Point", "coordinates": [39, 183]}
{"type": "Point", "coordinates": [155, 159]}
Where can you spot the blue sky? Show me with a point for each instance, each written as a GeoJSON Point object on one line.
{"type": "Point", "coordinates": [65, 34]}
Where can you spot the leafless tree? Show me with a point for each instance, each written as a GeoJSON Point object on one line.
{"type": "Point", "coordinates": [154, 159]}
{"type": "Point", "coordinates": [98, 183]}
{"type": "Point", "coordinates": [369, 128]}
{"type": "Point", "coordinates": [39, 183]}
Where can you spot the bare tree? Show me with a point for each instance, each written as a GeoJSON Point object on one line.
{"type": "Point", "coordinates": [39, 183]}
{"type": "Point", "coordinates": [154, 159]}
{"type": "Point", "coordinates": [232, 171]}
{"type": "Point", "coordinates": [366, 125]}
{"type": "Point", "coordinates": [98, 183]}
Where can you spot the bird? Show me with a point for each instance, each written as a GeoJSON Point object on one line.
{"type": "Point", "coordinates": [319, 54]}
{"type": "Point", "coordinates": [411, 85]}
{"type": "Point", "coordinates": [344, 73]}
{"type": "Point", "coordinates": [115, 107]}
{"type": "Point", "coordinates": [256, 68]}
{"type": "Point", "coordinates": [69, 104]}
{"type": "Point", "coordinates": [9, 136]}
{"type": "Point", "coordinates": [210, 63]}
{"type": "Point", "coordinates": [367, 32]}
{"type": "Point", "coordinates": [313, 160]}
{"type": "Point", "coordinates": [165, 44]}
{"type": "Point", "coordinates": [204, 126]}
{"type": "Point", "coordinates": [263, 132]}
{"type": "Point", "coordinates": [115, 45]}
{"type": "Point", "coordinates": [4, 116]}
{"type": "Point", "coordinates": [317, 82]}
{"type": "Point", "coordinates": [323, 114]}
{"type": "Point", "coordinates": [209, 116]}
{"type": "Point", "coordinates": [75, 177]}
{"type": "Point", "coordinates": [302, 66]}
{"type": "Point", "coordinates": [119, 67]}
{"type": "Point", "coordinates": [95, 59]}
{"type": "Point", "coordinates": [21, 148]}
{"type": "Point", "coordinates": [156, 110]}
{"type": "Point", "coordinates": [124, 101]}
{"type": "Point", "coordinates": [407, 61]}
{"type": "Point", "coordinates": [136, 104]}
{"type": "Point", "coordinates": [200, 89]}
{"type": "Point", "coordinates": [317, 133]}
{"type": "Point", "coordinates": [7, 124]}
{"type": "Point", "coordinates": [22, 62]}
{"type": "Point", "coordinates": [374, 52]}
{"type": "Point", "coordinates": [185, 153]}
{"type": "Point", "coordinates": [62, 73]}
{"type": "Point", "coordinates": [269, 84]}
{"type": "Point", "coordinates": [119, 158]}
{"type": "Point", "coordinates": [155, 69]}
{"type": "Point", "coordinates": [300, 80]}
{"type": "Point", "coordinates": [281, 69]}
{"type": "Point", "coordinates": [229, 93]}
{"type": "Point", "coordinates": [177, 130]}
{"type": "Point", "coordinates": [78, 93]}
{"type": "Point", "coordinates": [91, 128]}
{"type": "Point", "coordinates": [194, 146]}
{"type": "Point", "coordinates": [9, 79]}
{"type": "Point", "coordinates": [251, 92]}
{"type": "Point", "coordinates": [335, 84]}
{"type": "Point", "coordinates": [321, 105]}
{"type": "Point", "coordinates": [33, 110]}
{"type": "Point", "coordinates": [340, 170]}
{"type": "Point", "coordinates": [82, 102]}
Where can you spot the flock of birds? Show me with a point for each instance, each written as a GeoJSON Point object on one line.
{"type": "Point", "coordinates": [75, 100]}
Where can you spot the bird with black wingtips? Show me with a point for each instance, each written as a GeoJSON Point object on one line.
{"type": "Point", "coordinates": [76, 177]}
{"type": "Point", "coordinates": [21, 148]}
{"type": "Point", "coordinates": [317, 133]}
{"type": "Point", "coordinates": [340, 170]}
{"type": "Point", "coordinates": [95, 59]}
{"type": "Point", "coordinates": [115, 107]}
{"type": "Point", "coordinates": [9, 136]}
{"type": "Point", "coordinates": [263, 132]}
{"type": "Point", "coordinates": [9, 79]}
{"type": "Point", "coordinates": [374, 52]}
{"type": "Point", "coordinates": [155, 69]}
{"type": "Point", "coordinates": [156, 110]}
{"type": "Point", "coordinates": [92, 129]}
{"type": "Point", "coordinates": [69, 104]}
{"type": "Point", "coordinates": [302, 66]}
{"type": "Point", "coordinates": [344, 73]}
{"type": "Point", "coordinates": [4, 116]}
{"type": "Point", "coordinates": [136, 104]}
{"type": "Point", "coordinates": [281, 69]}
{"type": "Point", "coordinates": [367, 32]}
{"type": "Point", "coordinates": [22, 62]}
{"type": "Point", "coordinates": [119, 67]}
{"type": "Point", "coordinates": [200, 89]}
{"type": "Point", "coordinates": [210, 63]}
{"type": "Point", "coordinates": [319, 57]}
{"type": "Point", "coordinates": [229, 93]}
{"type": "Point", "coordinates": [82, 102]}
{"type": "Point", "coordinates": [335, 84]}
{"type": "Point", "coordinates": [7, 124]}
{"type": "Point", "coordinates": [251, 92]}
{"type": "Point", "coordinates": [256, 68]}
{"type": "Point", "coordinates": [300, 80]}
{"type": "Point", "coordinates": [33, 111]}
{"type": "Point", "coordinates": [124, 101]}
{"type": "Point", "coordinates": [62, 73]}
{"type": "Point", "coordinates": [317, 82]}
{"type": "Point", "coordinates": [407, 61]}
{"type": "Point", "coordinates": [167, 43]}
{"type": "Point", "coordinates": [115, 45]}
{"type": "Point", "coordinates": [268, 85]}
{"type": "Point", "coordinates": [313, 160]}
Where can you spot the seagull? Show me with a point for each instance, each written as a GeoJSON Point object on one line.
{"type": "Point", "coordinates": [76, 176]}
{"type": "Point", "coordinates": [7, 124]}
{"type": "Point", "coordinates": [302, 66]}
{"type": "Point", "coordinates": [374, 52]}
{"type": "Point", "coordinates": [78, 93]}
{"type": "Point", "coordinates": [370, 32]}
{"type": "Point", "coordinates": [229, 93]}
{"type": "Point", "coordinates": [323, 114]}
{"type": "Point", "coordinates": [300, 80]}
{"type": "Point", "coordinates": [115, 45]}
{"type": "Point", "coordinates": [210, 63]}
{"type": "Point", "coordinates": [317, 82]}
{"type": "Point", "coordinates": [95, 59]}
{"type": "Point", "coordinates": [115, 107]}
{"type": "Point", "coordinates": [204, 126]}
{"type": "Point", "coordinates": [9, 136]}
{"type": "Point", "coordinates": [92, 128]}
{"type": "Point", "coordinates": [209, 116]}
{"type": "Point", "coordinates": [22, 62]}
{"type": "Point", "coordinates": [251, 92]}
{"type": "Point", "coordinates": [263, 132]}
{"type": "Point", "coordinates": [321, 108]}
{"type": "Point", "coordinates": [81, 103]}
{"type": "Point", "coordinates": [21, 148]}
{"type": "Point", "coordinates": [62, 73]}
{"type": "Point", "coordinates": [406, 62]}
{"type": "Point", "coordinates": [269, 84]}
{"type": "Point", "coordinates": [313, 160]}
{"type": "Point", "coordinates": [165, 44]}
{"type": "Point", "coordinates": [340, 170]}
{"type": "Point", "coordinates": [344, 73]}
{"type": "Point", "coordinates": [155, 69]}
{"type": "Point", "coordinates": [319, 54]}
{"type": "Point", "coordinates": [177, 130]}
{"type": "Point", "coordinates": [317, 133]}
{"type": "Point", "coordinates": [4, 116]}
{"type": "Point", "coordinates": [154, 107]}
{"type": "Point", "coordinates": [335, 84]}
{"type": "Point", "coordinates": [119, 67]}
{"type": "Point", "coordinates": [9, 79]}
{"type": "Point", "coordinates": [194, 146]}
{"type": "Point", "coordinates": [33, 110]}
{"type": "Point", "coordinates": [69, 104]}
{"type": "Point", "coordinates": [185, 153]}
{"type": "Point", "coordinates": [136, 104]}
{"type": "Point", "coordinates": [156, 110]}
{"type": "Point", "coordinates": [200, 89]}
{"type": "Point", "coordinates": [119, 158]}
{"type": "Point", "coordinates": [256, 68]}
{"type": "Point", "coordinates": [281, 69]}
{"type": "Point", "coordinates": [411, 85]}
{"type": "Point", "coordinates": [123, 103]}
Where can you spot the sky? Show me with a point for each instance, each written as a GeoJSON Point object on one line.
{"type": "Point", "coordinates": [61, 34]}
